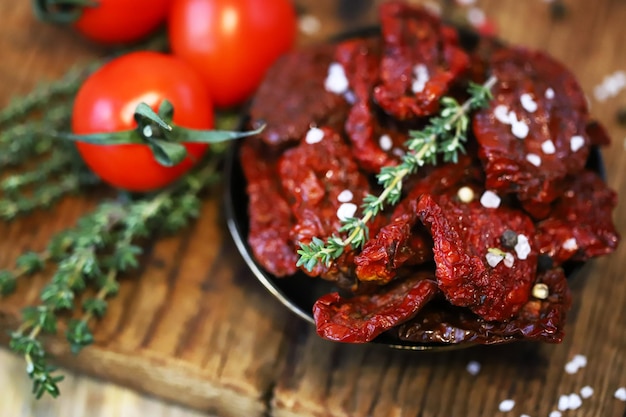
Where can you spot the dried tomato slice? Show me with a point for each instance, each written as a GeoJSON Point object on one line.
{"type": "Point", "coordinates": [360, 319]}
{"type": "Point", "coordinates": [537, 320]}
{"type": "Point", "coordinates": [270, 216]}
{"type": "Point", "coordinates": [372, 144]}
{"type": "Point", "coordinates": [301, 100]}
{"type": "Point", "coordinates": [322, 183]}
{"type": "Point", "coordinates": [533, 133]}
{"type": "Point", "coordinates": [464, 235]}
{"type": "Point", "coordinates": [422, 59]}
{"type": "Point", "coordinates": [580, 225]}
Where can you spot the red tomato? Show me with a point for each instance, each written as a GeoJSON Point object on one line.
{"type": "Point", "coordinates": [106, 103]}
{"type": "Point", "coordinates": [231, 42]}
{"type": "Point", "coordinates": [122, 21]}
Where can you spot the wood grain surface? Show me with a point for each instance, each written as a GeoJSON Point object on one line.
{"type": "Point", "coordinates": [194, 328]}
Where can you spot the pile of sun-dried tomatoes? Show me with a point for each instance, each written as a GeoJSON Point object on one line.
{"type": "Point", "coordinates": [475, 250]}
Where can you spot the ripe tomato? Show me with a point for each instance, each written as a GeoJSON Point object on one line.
{"type": "Point", "coordinates": [122, 21]}
{"type": "Point", "coordinates": [231, 42]}
{"type": "Point", "coordinates": [106, 103]}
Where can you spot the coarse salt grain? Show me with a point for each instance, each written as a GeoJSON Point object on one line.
{"type": "Point", "coordinates": [476, 17]}
{"type": "Point", "coordinates": [336, 80]}
{"type": "Point", "coordinates": [345, 196]}
{"type": "Point", "coordinates": [465, 2]}
{"type": "Point", "coordinates": [473, 368]}
{"type": "Point", "coordinates": [398, 152]}
{"type": "Point", "coordinates": [350, 97]}
{"type": "Point", "coordinates": [586, 391]}
{"type": "Point", "coordinates": [509, 260]}
{"type": "Point", "coordinates": [528, 103]}
{"type": "Point", "coordinates": [610, 86]}
{"type": "Point", "coordinates": [501, 113]}
{"type": "Point", "coordinates": [522, 247]}
{"type": "Point", "coordinates": [309, 24]}
{"type": "Point", "coordinates": [548, 147]}
{"type": "Point", "coordinates": [519, 129]}
{"type": "Point", "coordinates": [493, 259]}
{"type": "Point", "coordinates": [346, 211]}
{"type": "Point", "coordinates": [620, 394]}
{"type": "Point", "coordinates": [385, 142]}
{"type": "Point", "coordinates": [524, 415]}
{"type": "Point", "coordinates": [506, 405]}
{"type": "Point", "coordinates": [574, 401]}
{"type": "Point", "coordinates": [534, 159]}
{"type": "Point", "coordinates": [465, 194]}
{"type": "Point", "coordinates": [580, 360]}
{"type": "Point", "coordinates": [563, 404]}
{"type": "Point", "coordinates": [549, 94]}
{"type": "Point", "coordinates": [420, 71]}
{"type": "Point", "coordinates": [489, 199]}
{"type": "Point", "coordinates": [555, 414]}
{"type": "Point", "coordinates": [314, 135]}
{"type": "Point", "coordinates": [571, 368]}
{"type": "Point", "coordinates": [576, 142]}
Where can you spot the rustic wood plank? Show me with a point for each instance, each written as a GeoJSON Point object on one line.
{"type": "Point", "coordinates": [194, 328]}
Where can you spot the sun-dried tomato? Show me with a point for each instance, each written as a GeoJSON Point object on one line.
{"type": "Point", "coordinates": [301, 100]}
{"type": "Point", "coordinates": [537, 320]}
{"type": "Point", "coordinates": [533, 133]}
{"type": "Point", "coordinates": [580, 226]}
{"type": "Point", "coordinates": [402, 242]}
{"type": "Point", "coordinates": [421, 60]}
{"type": "Point", "coordinates": [360, 59]}
{"type": "Point", "coordinates": [270, 216]}
{"type": "Point", "coordinates": [463, 234]}
{"type": "Point", "coordinates": [598, 134]}
{"type": "Point", "coordinates": [361, 318]}
{"type": "Point", "coordinates": [313, 175]}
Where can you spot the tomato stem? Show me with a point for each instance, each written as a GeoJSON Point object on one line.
{"type": "Point", "coordinates": [155, 129]}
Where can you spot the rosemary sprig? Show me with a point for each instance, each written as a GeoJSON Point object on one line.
{"type": "Point", "coordinates": [445, 135]}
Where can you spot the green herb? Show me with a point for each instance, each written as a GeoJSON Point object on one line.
{"type": "Point", "coordinates": [444, 136]}
{"type": "Point", "coordinates": [91, 256]}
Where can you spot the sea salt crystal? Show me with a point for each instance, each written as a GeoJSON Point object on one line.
{"type": "Point", "coordinates": [586, 391]}
{"type": "Point", "coordinates": [345, 196]}
{"type": "Point", "coordinates": [336, 80]}
{"type": "Point", "coordinates": [555, 414]}
{"type": "Point", "coordinates": [493, 259]}
{"type": "Point", "coordinates": [574, 401]}
{"type": "Point", "coordinates": [314, 135]}
{"type": "Point", "coordinates": [576, 142]}
{"type": "Point", "coordinates": [350, 97]}
{"type": "Point", "coordinates": [620, 394]}
{"type": "Point", "coordinates": [385, 142]}
{"type": "Point", "coordinates": [519, 129]}
{"type": "Point", "coordinates": [420, 71]}
{"type": "Point", "coordinates": [563, 404]}
{"type": "Point", "coordinates": [549, 94]}
{"type": "Point", "coordinates": [522, 248]}
{"type": "Point", "coordinates": [509, 260]}
{"type": "Point", "coordinates": [346, 211]}
{"type": "Point", "coordinates": [580, 360]}
{"type": "Point", "coordinates": [473, 368]}
{"type": "Point", "coordinates": [309, 24]}
{"type": "Point", "coordinates": [571, 368]}
{"type": "Point", "coordinates": [489, 199]}
{"type": "Point", "coordinates": [465, 194]}
{"type": "Point", "coordinates": [476, 17]}
{"type": "Point", "coordinates": [501, 113]}
{"type": "Point", "coordinates": [465, 2]}
{"type": "Point", "coordinates": [506, 405]}
{"type": "Point", "coordinates": [534, 159]}
{"type": "Point", "coordinates": [548, 147]}
{"type": "Point", "coordinates": [528, 103]}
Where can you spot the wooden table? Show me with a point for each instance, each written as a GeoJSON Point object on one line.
{"type": "Point", "coordinates": [193, 327]}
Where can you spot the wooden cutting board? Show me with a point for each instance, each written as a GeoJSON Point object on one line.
{"type": "Point", "coordinates": [194, 327]}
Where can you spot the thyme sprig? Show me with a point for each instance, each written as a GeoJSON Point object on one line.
{"type": "Point", "coordinates": [444, 136]}
{"type": "Point", "coordinates": [92, 256]}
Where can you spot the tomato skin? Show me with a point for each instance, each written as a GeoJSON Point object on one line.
{"type": "Point", "coordinates": [231, 42]}
{"type": "Point", "coordinates": [122, 21]}
{"type": "Point", "coordinates": [106, 103]}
